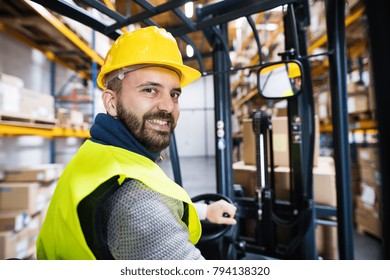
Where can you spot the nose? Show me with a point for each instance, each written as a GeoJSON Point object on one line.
{"type": "Point", "coordinates": [166, 102]}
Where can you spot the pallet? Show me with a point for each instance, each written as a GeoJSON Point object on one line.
{"type": "Point", "coordinates": [362, 116]}
{"type": "Point", "coordinates": [363, 230]}
{"type": "Point", "coordinates": [23, 120]}
{"type": "Point", "coordinates": [73, 126]}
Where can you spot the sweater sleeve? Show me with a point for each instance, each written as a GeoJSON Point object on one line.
{"type": "Point", "coordinates": [201, 209]}
{"type": "Point", "coordinates": [143, 224]}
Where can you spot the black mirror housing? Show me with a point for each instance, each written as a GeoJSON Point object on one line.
{"type": "Point", "coordinates": [280, 80]}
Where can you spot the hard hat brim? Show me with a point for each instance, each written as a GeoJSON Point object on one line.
{"type": "Point", "coordinates": [188, 74]}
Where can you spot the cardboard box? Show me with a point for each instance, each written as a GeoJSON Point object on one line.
{"type": "Point", "coordinates": [325, 239]}
{"type": "Point", "coordinates": [324, 182]}
{"type": "Point", "coordinates": [11, 80]}
{"type": "Point", "coordinates": [245, 175]}
{"type": "Point", "coordinates": [323, 107]}
{"type": "Point", "coordinates": [19, 244]}
{"type": "Point", "coordinates": [280, 142]}
{"type": "Point", "coordinates": [369, 195]}
{"type": "Point", "coordinates": [42, 213]}
{"type": "Point", "coordinates": [14, 244]}
{"type": "Point", "coordinates": [326, 242]}
{"type": "Point", "coordinates": [19, 196]}
{"type": "Point", "coordinates": [358, 103]}
{"type": "Point", "coordinates": [13, 220]}
{"type": "Point", "coordinates": [370, 175]}
{"type": "Point", "coordinates": [69, 118]}
{"type": "Point", "coordinates": [357, 88]}
{"type": "Point", "coordinates": [368, 219]}
{"type": "Point", "coordinates": [46, 190]}
{"type": "Point", "coordinates": [248, 143]}
{"type": "Point", "coordinates": [40, 173]}
{"type": "Point", "coordinates": [36, 104]}
{"type": "Point", "coordinates": [369, 156]}
{"type": "Point", "coordinates": [9, 99]}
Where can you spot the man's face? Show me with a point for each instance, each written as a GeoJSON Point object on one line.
{"type": "Point", "coordinates": [149, 107]}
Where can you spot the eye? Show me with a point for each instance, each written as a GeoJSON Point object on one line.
{"type": "Point", "coordinates": [150, 90]}
{"type": "Point", "coordinates": [175, 94]}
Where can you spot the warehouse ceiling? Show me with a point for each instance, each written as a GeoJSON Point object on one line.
{"type": "Point", "coordinates": [29, 23]}
{"type": "Point", "coordinates": [42, 25]}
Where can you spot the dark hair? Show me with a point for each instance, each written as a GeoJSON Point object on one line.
{"type": "Point", "coordinates": [115, 85]}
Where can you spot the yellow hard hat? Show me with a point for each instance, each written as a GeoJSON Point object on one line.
{"type": "Point", "coordinates": [294, 70]}
{"type": "Point", "coordinates": [151, 46]}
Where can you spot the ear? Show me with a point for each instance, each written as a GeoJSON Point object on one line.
{"type": "Point", "coordinates": [109, 98]}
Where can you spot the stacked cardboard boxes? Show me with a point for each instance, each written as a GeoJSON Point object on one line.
{"type": "Point", "coordinates": [368, 202]}
{"type": "Point", "coordinates": [19, 102]}
{"type": "Point", "coordinates": [24, 197]}
{"type": "Point", "coordinates": [358, 98]}
{"type": "Point", "coordinates": [360, 103]}
{"type": "Point", "coordinates": [324, 179]}
{"type": "Point", "coordinates": [9, 93]}
{"type": "Point", "coordinates": [71, 119]}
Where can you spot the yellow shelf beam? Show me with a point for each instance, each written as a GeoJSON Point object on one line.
{"type": "Point", "coordinates": [255, 59]}
{"type": "Point", "coordinates": [69, 132]}
{"type": "Point", "coordinates": [245, 98]}
{"type": "Point", "coordinates": [112, 7]}
{"type": "Point", "coordinates": [363, 125]}
{"type": "Point", "coordinates": [50, 55]}
{"type": "Point", "coordinates": [348, 21]}
{"type": "Point", "coordinates": [68, 33]}
{"type": "Point", "coordinates": [247, 40]}
{"type": "Point", "coordinates": [353, 126]}
{"type": "Point", "coordinates": [14, 130]}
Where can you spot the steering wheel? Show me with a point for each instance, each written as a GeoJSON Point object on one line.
{"type": "Point", "coordinates": [212, 231]}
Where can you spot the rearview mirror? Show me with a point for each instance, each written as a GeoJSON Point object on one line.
{"type": "Point", "coordinates": [280, 80]}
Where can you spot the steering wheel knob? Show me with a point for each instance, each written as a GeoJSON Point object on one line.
{"type": "Point", "coordinates": [211, 231]}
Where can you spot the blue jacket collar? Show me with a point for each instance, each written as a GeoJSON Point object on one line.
{"type": "Point", "coordinates": [107, 130]}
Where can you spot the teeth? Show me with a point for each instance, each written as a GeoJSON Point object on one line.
{"type": "Point", "coordinates": [160, 122]}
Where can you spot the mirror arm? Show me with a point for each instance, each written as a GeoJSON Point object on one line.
{"type": "Point", "coordinates": [287, 55]}
{"type": "Point", "coordinates": [257, 38]}
{"type": "Point", "coordinates": [328, 53]}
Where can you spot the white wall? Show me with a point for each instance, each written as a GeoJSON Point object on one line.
{"type": "Point", "coordinates": [195, 129]}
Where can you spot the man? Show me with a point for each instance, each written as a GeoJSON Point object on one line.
{"type": "Point", "coordinates": [113, 201]}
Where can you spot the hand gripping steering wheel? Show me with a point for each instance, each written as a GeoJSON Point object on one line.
{"type": "Point", "coordinates": [212, 231]}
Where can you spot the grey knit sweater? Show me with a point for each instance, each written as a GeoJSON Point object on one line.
{"type": "Point", "coordinates": [143, 224]}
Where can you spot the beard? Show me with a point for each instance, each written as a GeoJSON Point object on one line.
{"type": "Point", "coordinates": [153, 140]}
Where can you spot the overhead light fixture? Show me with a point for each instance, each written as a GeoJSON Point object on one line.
{"type": "Point", "coordinates": [267, 26]}
{"type": "Point", "coordinates": [189, 9]}
{"type": "Point", "coordinates": [278, 9]}
{"type": "Point", "coordinates": [189, 51]}
{"type": "Point", "coordinates": [240, 22]}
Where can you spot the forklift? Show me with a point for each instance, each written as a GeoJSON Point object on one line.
{"type": "Point", "coordinates": [299, 215]}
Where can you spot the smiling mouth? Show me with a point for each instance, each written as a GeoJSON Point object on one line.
{"type": "Point", "coordinates": [159, 124]}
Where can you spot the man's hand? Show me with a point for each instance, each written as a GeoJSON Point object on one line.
{"type": "Point", "coordinates": [221, 212]}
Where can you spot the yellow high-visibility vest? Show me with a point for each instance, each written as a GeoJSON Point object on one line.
{"type": "Point", "coordinates": [61, 235]}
